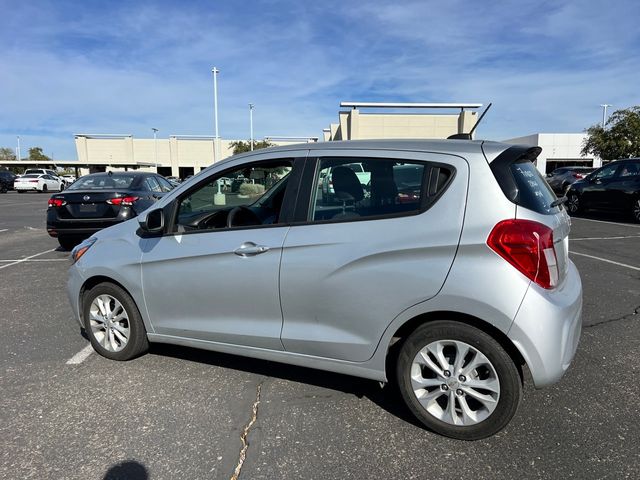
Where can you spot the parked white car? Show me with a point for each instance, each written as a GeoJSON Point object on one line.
{"type": "Point", "coordinates": [38, 183]}
{"type": "Point", "coordinates": [68, 179]}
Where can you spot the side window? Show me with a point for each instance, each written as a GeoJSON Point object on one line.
{"type": "Point", "coordinates": [250, 195]}
{"type": "Point", "coordinates": [152, 184]}
{"type": "Point", "coordinates": [165, 186]}
{"type": "Point", "coordinates": [349, 190]}
{"type": "Point", "coordinates": [606, 172]}
{"type": "Point", "coordinates": [630, 170]}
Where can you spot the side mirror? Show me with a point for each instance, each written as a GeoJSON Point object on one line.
{"type": "Point", "coordinates": [152, 221]}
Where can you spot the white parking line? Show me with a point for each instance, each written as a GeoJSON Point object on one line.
{"type": "Point", "coordinates": [81, 356]}
{"type": "Point", "coordinates": [26, 258]}
{"type": "Point", "coordinates": [607, 260]}
{"type": "Point", "coordinates": [4, 230]}
{"type": "Point", "coordinates": [604, 238]}
{"type": "Point", "coordinates": [603, 221]}
{"type": "Point", "coordinates": [37, 260]}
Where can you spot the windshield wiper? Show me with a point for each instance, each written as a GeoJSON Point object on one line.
{"type": "Point", "coordinates": [559, 201]}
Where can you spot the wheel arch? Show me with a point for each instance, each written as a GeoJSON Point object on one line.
{"type": "Point", "coordinates": [408, 327]}
{"type": "Point", "coordinates": [96, 280]}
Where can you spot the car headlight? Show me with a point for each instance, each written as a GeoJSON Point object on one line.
{"type": "Point", "coordinates": [81, 249]}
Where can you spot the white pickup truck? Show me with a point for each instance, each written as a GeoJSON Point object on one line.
{"type": "Point", "coordinates": [327, 183]}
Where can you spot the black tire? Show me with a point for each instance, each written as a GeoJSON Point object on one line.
{"type": "Point", "coordinates": [67, 242]}
{"type": "Point", "coordinates": [574, 203]}
{"type": "Point", "coordinates": [3, 189]}
{"type": "Point", "coordinates": [21, 191]}
{"type": "Point", "coordinates": [508, 375]}
{"type": "Point", "coordinates": [137, 342]}
{"type": "Point", "coordinates": [44, 188]}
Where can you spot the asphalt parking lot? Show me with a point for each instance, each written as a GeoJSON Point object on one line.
{"type": "Point", "coordinates": [183, 413]}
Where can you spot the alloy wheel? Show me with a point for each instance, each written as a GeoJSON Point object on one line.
{"type": "Point", "coordinates": [573, 204]}
{"type": "Point", "coordinates": [455, 382]}
{"type": "Point", "coordinates": [109, 323]}
{"type": "Point", "coordinates": [636, 210]}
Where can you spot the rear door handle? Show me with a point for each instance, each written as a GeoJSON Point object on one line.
{"type": "Point", "coordinates": [249, 249]}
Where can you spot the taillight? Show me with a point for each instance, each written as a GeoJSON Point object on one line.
{"type": "Point", "coordinates": [528, 246]}
{"type": "Point", "coordinates": [56, 202]}
{"type": "Point", "coordinates": [578, 176]}
{"type": "Point", "coordinates": [126, 201]}
{"type": "Point", "coordinates": [33, 181]}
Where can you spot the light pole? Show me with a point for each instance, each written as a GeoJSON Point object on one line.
{"type": "Point", "coordinates": [216, 154]}
{"type": "Point", "coordinates": [251, 123]}
{"type": "Point", "coordinates": [155, 146]}
{"type": "Point", "coordinates": [604, 112]}
{"type": "Point", "coordinates": [18, 149]}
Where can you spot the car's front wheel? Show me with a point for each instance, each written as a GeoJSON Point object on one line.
{"type": "Point", "coordinates": [113, 322]}
{"type": "Point", "coordinates": [635, 210]}
{"type": "Point", "coordinates": [458, 380]}
{"type": "Point", "coordinates": [574, 204]}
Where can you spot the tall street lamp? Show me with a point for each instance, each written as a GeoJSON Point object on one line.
{"type": "Point", "coordinates": [216, 153]}
{"type": "Point", "coordinates": [604, 112]}
{"type": "Point", "coordinates": [155, 146]}
{"type": "Point", "coordinates": [18, 149]}
{"type": "Point", "coordinates": [251, 123]}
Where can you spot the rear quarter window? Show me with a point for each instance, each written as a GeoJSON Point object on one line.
{"type": "Point", "coordinates": [534, 192]}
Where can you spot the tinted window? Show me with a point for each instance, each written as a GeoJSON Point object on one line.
{"type": "Point", "coordinates": [605, 172]}
{"type": "Point", "coordinates": [259, 189]}
{"type": "Point", "coordinates": [630, 170]}
{"type": "Point", "coordinates": [534, 192]}
{"type": "Point", "coordinates": [164, 184]}
{"type": "Point", "coordinates": [150, 183]}
{"type": "Point", "coordinates": [379, 187]}
{"type": "Point", "coordinates": [103, 182]}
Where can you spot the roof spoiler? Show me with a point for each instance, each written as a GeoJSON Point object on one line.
{"type": "Point", "coordinates": [468, 136]}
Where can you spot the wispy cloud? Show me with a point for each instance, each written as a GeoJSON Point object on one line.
{"type": "Point", "coordinates": [70, 68]}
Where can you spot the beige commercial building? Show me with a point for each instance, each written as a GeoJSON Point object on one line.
{"type": "Point", "coordinates": [356, 125]}
{"type": "Point", "coordinates": [178, 156]}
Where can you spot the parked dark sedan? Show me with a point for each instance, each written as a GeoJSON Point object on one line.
{"type": "Point", "coordinates": [561, 178]}
{"type": "Point", "coordinates": [616, 186]}
{"type": "Point", "coordinates": [6, 180]}
{"type": "Point", "coordinates": [100, 200]}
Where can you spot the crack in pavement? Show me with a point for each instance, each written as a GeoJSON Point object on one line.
{"type": "Point", "coordinates": [636, 311]}
{"type": "Point", "coordinates": [245, 433]}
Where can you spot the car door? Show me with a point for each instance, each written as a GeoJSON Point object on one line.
{"type": "Point", "coordinates": [352, 265]}
{"type": "Point", "coordinates": [209, 281]}
{"type": "Point", "coordinates": [596, 193]}
{"type": "Point", "coordinates": [625, 186]}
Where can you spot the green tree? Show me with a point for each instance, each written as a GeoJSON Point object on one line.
{"type": "Point", "coordinates": [619, 139]}
{"type": "Point", "coordinates": [241, 147]}
{"type": "Point", "coordinates": [7, 154]}
{"type": "Point", "coordinates": [36, 155]}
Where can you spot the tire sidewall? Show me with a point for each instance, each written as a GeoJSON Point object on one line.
{"type": "Point", "coordinates": [137, 342]}
{"type": "Point", "coordinates": [508, 376]}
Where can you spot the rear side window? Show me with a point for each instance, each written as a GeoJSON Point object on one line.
{"type": "Point", "coordinates": [376, 188]}
{"type": "Point", "coordinates": [520, 180]}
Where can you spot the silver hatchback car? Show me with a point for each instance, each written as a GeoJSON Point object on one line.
{"type": "Point", "coordinates": [448, 272]}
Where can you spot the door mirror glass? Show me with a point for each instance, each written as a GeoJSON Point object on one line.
{"type": "Point", "coordinates": [152, 221]}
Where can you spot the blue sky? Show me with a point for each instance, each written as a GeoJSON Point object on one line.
{"type": "Point", "coordinates": [124, 67]}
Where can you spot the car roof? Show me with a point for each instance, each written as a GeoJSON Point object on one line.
{"type": "Point", "coordinates": [454, 147]}
{"type": "Point", "coordinates": [121, 174]}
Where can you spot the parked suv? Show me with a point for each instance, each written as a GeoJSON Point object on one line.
{"type": "Point", "coordinates": [614, 187]}
{"type": "Point", "coordinates": [449, 274]}
{"type": "Point", "coordinates": [562, 178]}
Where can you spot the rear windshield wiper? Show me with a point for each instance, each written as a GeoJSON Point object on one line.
{"type": "Point", "coordinates": [559, 201]}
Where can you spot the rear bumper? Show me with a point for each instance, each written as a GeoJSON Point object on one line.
{"type": "Point", "coordinates": [547, 328]}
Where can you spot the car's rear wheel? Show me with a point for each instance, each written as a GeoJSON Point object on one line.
{"type": "Point", "coordinates": [574, 205]}
{"type": "Point", "coordinates": [67, 242]}
{"type": "Point", "coordinates": [458, 380]}
{"type": "Point", "coordinates": [45, 188]}
{"type": "Point", "coordinates": [113, 323]}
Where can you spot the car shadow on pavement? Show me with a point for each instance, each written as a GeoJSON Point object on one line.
{"type": "Point", "coordinates": [387, 397]}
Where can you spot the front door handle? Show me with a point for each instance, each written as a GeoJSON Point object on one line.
{"type": "Point", "coordinates": [249, 249]}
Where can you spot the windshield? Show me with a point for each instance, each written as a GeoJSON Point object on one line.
{"type": "Point", "coordinates": [103, 182]}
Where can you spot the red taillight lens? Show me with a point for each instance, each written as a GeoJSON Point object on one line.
{"type": "Point", "coordinates": [528, 246]}
{"type": "Point", "coordinates": [56, 202]}
{"type": "Point", "coordinates": [33, 181]}
{"type": "Point", "coordinates": [578, 175]}
{"type": "Point", "coordinates": [127, 201]}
